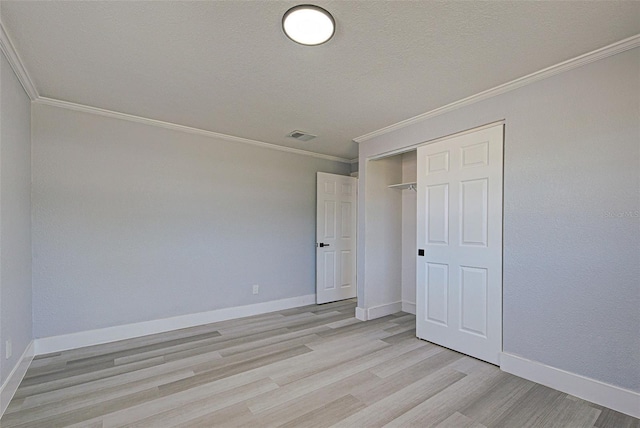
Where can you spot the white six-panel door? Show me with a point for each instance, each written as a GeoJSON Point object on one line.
{"type": "Point", "coordinates": [459, 277]}
{"type": "Point", "coordinates": [335, 237]}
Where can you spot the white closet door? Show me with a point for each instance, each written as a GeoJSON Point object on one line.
{"type": "Point", "coordinates": [459, 227]}
{"type": "Point", "coordinates": [336, 237]}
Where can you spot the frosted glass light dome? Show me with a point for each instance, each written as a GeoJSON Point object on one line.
{"type": "Point", "coordinates": [308, 25]}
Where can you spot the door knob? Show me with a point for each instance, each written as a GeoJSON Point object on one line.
{"type": "Point", "coordinates": [323, 245]}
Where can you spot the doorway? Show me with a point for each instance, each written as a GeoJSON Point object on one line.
{"type": "Point", "coordinates": [335, 237]}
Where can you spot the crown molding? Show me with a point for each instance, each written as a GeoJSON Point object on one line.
{"type": "Point", "coordinates": [607, 51]}
{"type": "Point", "coordinates": [412, 147]}
{"type": "Point", "coordinates": [15, 61]}
{"type": "Point", "coordinates": [188, 129]}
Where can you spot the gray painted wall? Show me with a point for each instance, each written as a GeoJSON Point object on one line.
{"type": "Point", "coordinates": [571, 223]}
{"type": "Point", "coordinates": [383, 218]}
{"type": "Point", "coordinates": [15, 218]}
{"type": "Point", "coordinates": [134, 223]}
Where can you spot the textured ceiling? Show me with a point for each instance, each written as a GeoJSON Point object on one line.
{"type": "Point", "coordinates": [226, 66]}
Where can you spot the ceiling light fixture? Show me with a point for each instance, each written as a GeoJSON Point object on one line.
{"type": "Point", "coordinates": [308, 25]}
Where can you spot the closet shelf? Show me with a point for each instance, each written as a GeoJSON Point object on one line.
{"type": "Point", "coordinates": [403, 186]}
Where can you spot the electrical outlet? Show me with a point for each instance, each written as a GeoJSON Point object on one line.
{"type": "Point", "coordinates": [256, 288]}
{"type": "Point", "coordinates": [7, 349]}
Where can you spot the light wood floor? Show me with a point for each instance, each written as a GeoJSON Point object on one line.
{"type": "Point", "coordinates": [315, 366]}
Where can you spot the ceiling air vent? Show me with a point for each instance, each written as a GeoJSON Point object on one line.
{"type": "Point", "coordinates": [301, 136]}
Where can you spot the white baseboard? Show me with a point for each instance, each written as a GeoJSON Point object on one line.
{"type": "Point", "coordinates": [364, 314]}
{"type": "Point", "coordinates": [613, 397]}
{"type": "Point", "coordinates": [81, 339]}
{"type": "Point", "coordinates": [384, 310]}
{"type": "Point", "coordinates": [409, 307]}
{"type": "Point", "coordinates": [10, 386]}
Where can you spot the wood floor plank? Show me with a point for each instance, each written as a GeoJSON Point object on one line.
{"type": "Point", "coordinates": [321, 319]}
{"type": "Point", "coordinates": [229, 417]}
{"type": "Point", "coordinates": [82, 401]}
{"type": "Point", "coordinates": [175, 400]}
{"type": "Point", "coordinates": [343, 323]}
{"type": "Point", "coordinates": [253, 353]}
{"type": "Point", "coordinates": [404, 318]}
{"type": "Point", "coordinates": [362, 325]}
{"type": "Point", "coordinates": [185, 334]}
{"type": "Point", "coordinates": [399, 328]}
{"type": "Point", "coordinates": [313, 366]}
{"type": "Point", "coordinates": [394, 405]}
{"type": "Point", "coordinates": [399, 337]}
{"type": "Point", "coordinates": [569, 412]}
{"type": "Point", "coordinates": [36, 397]}
{"type": "Point", "coordinates": [328, 414]}
{"type": "Point", "coordinates": [324, 360]}
{"type": "Point", "coordinates": [24, 390]}
{"type": "Point", "coordinates": [169, 351]}
{"type": "Point", "coordinates": [227, 371]}
{"type": "Point", "coordinates": [301, 337]}
{"type": "Point", "coordinates": [239, 330]}
{"type": "Point", "coordinates": [439, 407]}
{"type": "Point", "coordinates": [458, 420]}
{"type": "Point", "coordinates": [327, 377]}
{"type": "Point", "coordinates": [531, 408]}
{"type": "Point", "coordinates": [490, 407]}
{"type": "Point", "coordinates": [198, 408]}
{"type": "Point", "coordinates": [65, 418]}
{"type": "Point", "coordinates": [611, 418]}
{"type": "Point", "coordinates": [45, 368]}
{"type": "Point", "coordinates": [73, 363]}
{"type": "Point", "coordinates": [304, 403]}
{"type": "Point", "coordinates": [406, 360]}
{"type": "Point", "coordinates": [406, 377]}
